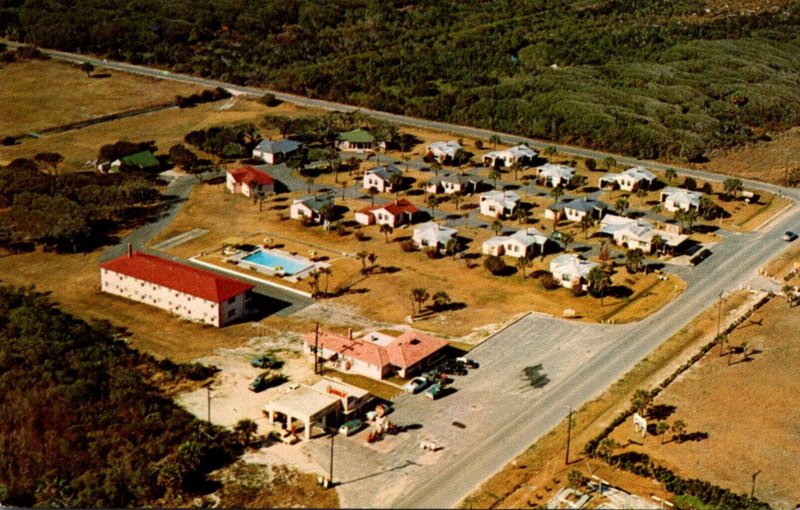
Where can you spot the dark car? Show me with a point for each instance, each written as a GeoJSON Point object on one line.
{"type": "Point", "coordinates": [264, 361]}
{"type": "Point", "coordinates": [453, 368]}
{"type": "Point", "coordinates": [701, 256]}
{"type": "Point", "coordinates": [264, 381]}
{"type": "Point", "coordinates": [789, 236]}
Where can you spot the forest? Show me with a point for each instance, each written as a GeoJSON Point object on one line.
{"type": "Point", "coordinates": [648, 78]}
{"type": "Point", "coordinates": [71, 212]}
{"type": "Point", "coordinates": [81, 425]}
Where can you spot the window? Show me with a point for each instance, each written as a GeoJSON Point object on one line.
{"type": "Point", "coordinates": [232, 313]}
{"type": "Point", "coordinates": [232, 300]}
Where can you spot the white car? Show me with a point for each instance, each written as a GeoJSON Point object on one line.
{"type": "Point", "coordinates": [415, 385]}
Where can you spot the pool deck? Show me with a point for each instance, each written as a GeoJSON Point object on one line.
{"type": "Point", "coordinates": [309, 265]}
{"type": "Point", "coordinates": [238, 274]}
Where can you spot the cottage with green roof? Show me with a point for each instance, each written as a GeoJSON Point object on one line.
{"type": "Point", "coordinates": [144, 160]}
{"type": "Point", "coordinates": [358, 140]}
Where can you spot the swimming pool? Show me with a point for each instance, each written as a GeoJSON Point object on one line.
{"type": "Point", "coordinates": [277, 262]}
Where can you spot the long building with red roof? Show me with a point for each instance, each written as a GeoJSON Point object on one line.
{"type": "Point", "coordinates": [186, 291]}
{"type": "Point", "coordinates": [376, 355]}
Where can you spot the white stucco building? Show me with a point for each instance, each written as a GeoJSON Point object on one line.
{"type": "Point", "coordinates": [191, 293]}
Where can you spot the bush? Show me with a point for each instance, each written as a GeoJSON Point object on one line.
{"type": "Point", "coordinates": [549, 282]}
{"type": "Point", "coordinates": [270, 100]}
{"type": "Point", "coordinates": [690, 184]}
{"type": "Point", "coordinates": [408, 245]}
{"type": "Point", "coordinates": [431, 252]}
{"type": "Point", "coordinates": [494, 265]}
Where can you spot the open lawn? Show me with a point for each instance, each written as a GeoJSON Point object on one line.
{"type": "Point", "coordinates": [478, 298]}
{"type": "Point", "coordinates": [533, 477]}
{"type": "Point", "coordinates": [740, 411]}
{"type": "Point", "coordinates": [40, 94]}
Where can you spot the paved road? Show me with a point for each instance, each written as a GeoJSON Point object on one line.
{"type": "Point", "coordinates": [502, 411]}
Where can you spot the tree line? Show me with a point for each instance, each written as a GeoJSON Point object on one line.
{"type": "Point", "coordinates": [626, 76]}
{"type": "Point", "coordinates": [81, 426]}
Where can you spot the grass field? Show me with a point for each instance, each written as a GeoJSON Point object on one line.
{"type": "Point", "coordinates": [479, 297]}
{"type": "Point", "coordinates": [535, 476]}
{"type": "Point", "coordinates": [746, 409]}
{"type": "Point", "coordinates": [38, 94]}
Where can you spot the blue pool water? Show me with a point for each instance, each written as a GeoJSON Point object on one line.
{"type": "Point", "coordinates": [272, 260]}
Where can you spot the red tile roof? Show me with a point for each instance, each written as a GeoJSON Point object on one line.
{"type": "Point", "coordinates": [412, 347]}
{"type": "Point", "coordinates": [363, 350]}
{"type": "Point", "coordinates": [394, 208]}
{"type": "Point", "coordinates": [180, 277]}
{"type": "Point", "coordinates": [404, 351]}
{"type": "Point", "coordinates": [246, 174]}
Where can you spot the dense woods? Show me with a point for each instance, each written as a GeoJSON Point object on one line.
{"type": "Point", "coordinates": [72, 211]}
{"type": "Point", "coordinates": [80, 423]}
{"type": "Point", "coordinates": [649, 78]}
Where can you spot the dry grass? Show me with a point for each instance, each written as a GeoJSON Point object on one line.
{"type": "Point", "coordinates": [384, 295]}
{"type": "Point", "coordinates": [259, 486]}
{"type": "Point", "coordinates": [541, 469]}
{"type": "Point", "coordinates": [781, 265]}
{"type": "Point", "coordinates": [42, 94]}
{"type": "Point", "coordinates": [744, 408]}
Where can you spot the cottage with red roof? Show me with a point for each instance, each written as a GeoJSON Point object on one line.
{"type": "Point", "coordinates": [183, 290]}
{"type": "Point", "coordinates": [394, 213]}
{"type": "Point", "coordinates": [377, 355]}
{"type": "Point", "coordinates": [249, 181]}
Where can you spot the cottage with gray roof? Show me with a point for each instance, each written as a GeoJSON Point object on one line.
{"type": "Point", "coordinates": [313, 207]}
{"type": "Point", "coordinates": [521, 154]}
{"type": "Point", "coordinates": [276, 151]}
{"type": "Point", "coordinates": [454, 183]}
{"type": "Point", "coordinates": [631, 179]}
{"type": "Point", "coordinates": [576, 209]}
{"type": "Point", "coordinates": [381, 178]}
{"type": "Point", "coordinates": [444, 152]}
{"type": "Point", "coordinates": [557, 176]}
{"type": "Point", "coordinates": [675, 199]}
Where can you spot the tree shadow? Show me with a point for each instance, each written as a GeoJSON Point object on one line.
{"type": "Point", "coordinates": [100, 76]}
{"type": "Point", "coordinates": [693, 436]}
{"type": "Point", "coordinates": [661, 411]}
{"type": "Point", "coordinates": [386, 270]}
{"type": "Point", "coordinates": [534, 376]}
{"type": "Point", "coordinates": [619, 291]}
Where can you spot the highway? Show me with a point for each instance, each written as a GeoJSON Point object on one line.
{"type": "Point", "coordinates": [505, 410]}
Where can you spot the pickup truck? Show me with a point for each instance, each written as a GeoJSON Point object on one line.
{"type": "Point", "coordinates": [264, 381]}
{"type": "Point", "coordinates": [434, 391]}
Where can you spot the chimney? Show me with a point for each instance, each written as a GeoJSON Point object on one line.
{"type": "Point", "coordinates": [349, 333]}
{"type": "Point", "coordinates": [130, 251]}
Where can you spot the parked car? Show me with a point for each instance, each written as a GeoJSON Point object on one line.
{"type": "Point", "coordinates": [434, 391]}
{"type": "Point", "coordinates": [264, 381]}
{"type": "Point", "coordinates": [453, 368]}
{"type": "Point", "coordinates": [415, 385]}
{"type": "Point", "coordinates": [701, 256]}
{"type": "Point", "coordinates": [264, 361]}
{"type": "Point", "coordinates": [351, 427]}
{"type": "Point", "coordinates": [789, 236]}
{"type": "Point", "coordinates": [468, 362]}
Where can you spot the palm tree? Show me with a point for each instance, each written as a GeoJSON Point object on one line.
{"type": "Point", "coordinates": [641, 401]}
{"type": "Point", "coordinates": [457, 196]}
{"type": "Point", "coordinates": [731, 186]}
{"type": "Point", "coordinates": [606, 448]}
{"type": "Point", "coordinates": [610, 163]}
{"type": "Point", "coordinates": [314, 282]}
{"type": "Point", "coordinates": [309, 183]}
{"type": "Point", "coordinates": [497, 227]}
{"type": "Point", "coordinates": [706, 207]}
{"type": "Point", "coordinates": [721, 339]}
{"type": "Point", "coordinates": [494, 140]}
{"type": "Point", "coordinates": [344, 188]}
{"type": "Point", "coordinates": [566, 239]}
{"type": "Point", "coordinates": [641, 193]}
{"type": "Point", "coordinates": [432, 201]}
{"type": "Point", "coordinates": [686, 218]}
{"type": "Point", "coordinates": [670, 174]}
{"type": "Point", "coordinates": [657, 244]}
{"type": "Point", "coordinates": [586, 223]}
{"type": "Point", "coordinates": [372, 258]}
{"type": "Point", "coordinates": [418, 295]}
{"type": "Point", "coordinates": [362, 255]}
{"type": "Point", "coordinates": [550, 150]}
{"type": "Point", "coordinates": [386, 229]}
{"type": "Point", "coordinates": [521, 215]}
{"type": "Point", "coordinates": [621, 205]}
{"type": "Point", "coordinates": [494, 174]}
{"type": "Point", "coordinates": [661, 429]}
{"type": "Point", "coordinates": [440, 300]}
{"type": "Point", "coordinates": [436, 166]}
{"type": "Point", "coordinates": [245, 429]}
{"type": "Point", "coordinates": [657, 209]}
{"type": "Point", "coordinates": [452, 246]}
{"type": "Point", "coordinates": [326, 270]}
{"type": "Point", "coordinates": [516, 167]}
{"type": "Point", "coordinates": [395, 182]}
{"type": "Point", "coordinates": [372, 192]}
{"type": "Point", "coordinates": [524, 263]}
{"type": "Point", "coordinates": [678, 430]}
{"type": "Point", "coordinates": [633, 259]}
{"type": "Point", "coordinates": [599, 281]}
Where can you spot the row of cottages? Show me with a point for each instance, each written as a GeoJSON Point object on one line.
{"type": "Point", "coordinates": [527, 242]}
{"type": "Point", "coordinates": [383, 178]}
{"type": "Point", "coordinates": [358, 140]}
{"type": "Point", "coordinates": [679, 199]}
{"type": "Point", "coordinates": [576, 209]}
{"type": "Point", "coordinates": [376, 355]}
{"type": "Point", "coordinates": [631, 179]}
{"type": "Point", "coordinates": [276, 151]}
{"type": "Point", "coordinates": [454, 183]}
{"type": "Point", "coordinates": [312, 207]}
{"type": "Point", "coordinates": [570, 270]}
{"type": "Point", "coordinates": [394, 214]}
{"type": "Point", "coordinates": [444, 152]}
{"type": "Point", "coordinates": [431, 234]}
{"type": "Point", "coordinates": [499, 204]}
{"type": "Point", "coordinates": [636, 233]}
{"type": "Point", "coordinates": [249, 181]}
{"type": "Point", "coordinates": [521, 155]}
{"type": "Point", "coordinates": [186, 291]}
{"type": "Point", "coordinates": [556, 176]}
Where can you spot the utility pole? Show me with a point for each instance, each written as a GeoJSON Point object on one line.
{"type": "Point", "coordinates": [569, 431]}
{"type": "Point", "coordinates": [316, 349]}
{"type": "Point", "coordinates": [719, 314]}
{"type": "Point", "coordinates": [330, 472]}
{"type": "Point", "coordinates": [208, 395]}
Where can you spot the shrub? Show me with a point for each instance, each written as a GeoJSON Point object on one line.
{"type": "Point", "coordinates": [408, 245]}
{"type": "Point", "coordinates": [549, 282]}
{"type": "Point", "coordinates": [269, 99]}
{"type": "Point", "coordinates": [431, 252]}
{"type": "Point", "coordinates": [494, 265]}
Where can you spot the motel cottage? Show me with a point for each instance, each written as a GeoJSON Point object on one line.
{"type": "Point", "coordinates": [376, 355]}
{"type": "Point", "coordinates": [444, 152]}
{"type": "Point", "coordinates": [394, 214]}
{"type": "Point", "coordinates": [274, 152]}
{"type": "Point", "coordinates": [191, 293]}
{"type": "Point", "coordinates": [249, 181]}
{"type": "Point", "coordinates": [521, 154]}
{"type": "Point", "coordinates": [382, 178]}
